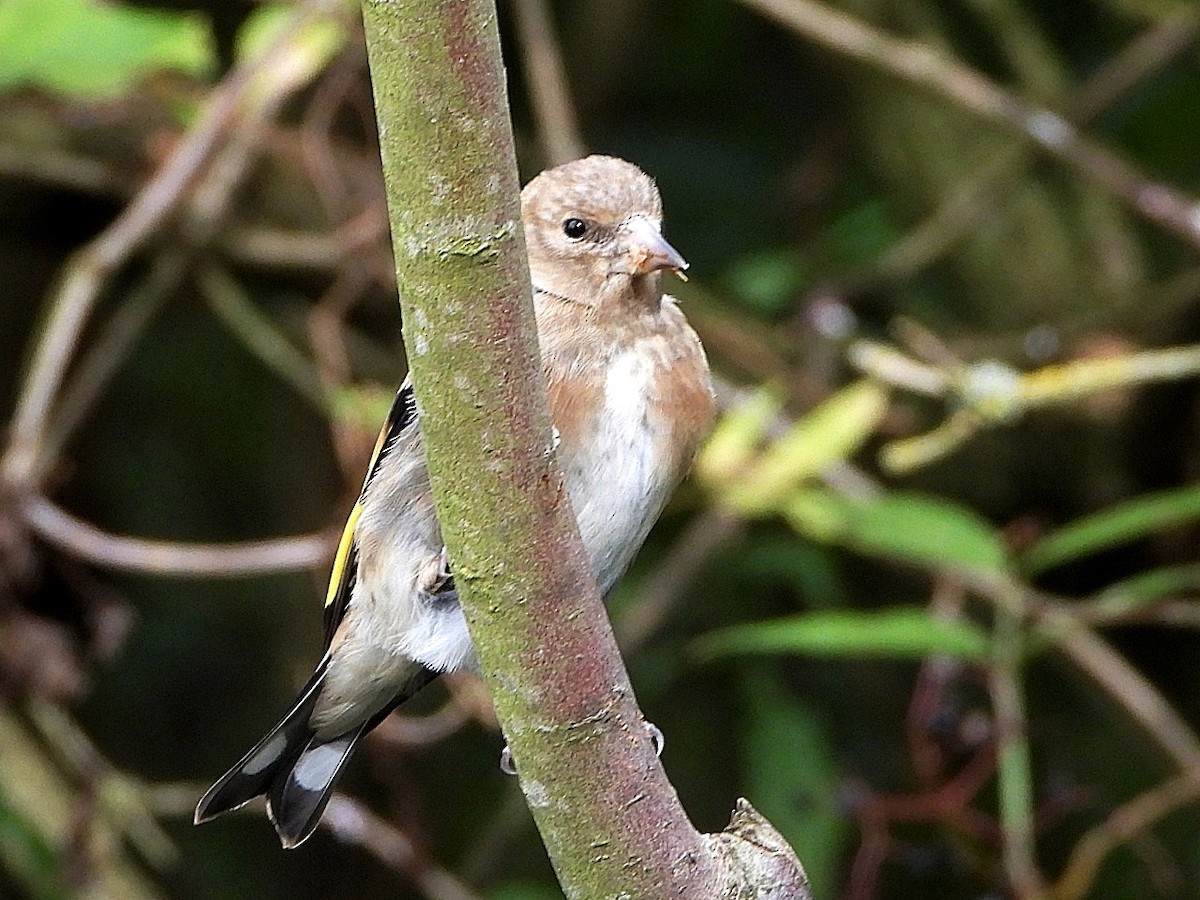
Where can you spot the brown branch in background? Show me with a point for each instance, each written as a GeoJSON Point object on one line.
{"type": "Point", "coordinates": [316, 132]}
{"type": "Point", "coordinates": [86, 542]}
{"type": "Point", "coordinates": [548, 86]}
{"type": "Point", "coordinates": [930, 691]}
{"type": "Point", "coordinates": [1124, 825]}
{"type": "Point", "coordinates": [352, 822]}
{"type": "Point", "coordinates": [967, 203]}
{"type": "Point", "coordinates": [926, 67]}
{"type": "Point", "coordinates": [204, 212]}
{"type": "Point", "coordinates": [108, 351]}
{"type": "Point", "coordinates": [64, 169]}
{"type": "Point", "coordinates": [314, 251]}
{"type": "Point", "coordinates": [949, 801]}
{"type": "Point", "coordinates": [88, 270]}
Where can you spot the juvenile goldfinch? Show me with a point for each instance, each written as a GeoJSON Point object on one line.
{"type": "Point", "coordinates": [631, 399]}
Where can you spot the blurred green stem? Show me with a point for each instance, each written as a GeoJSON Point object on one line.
{"type": "Point", "coordinates": [1014, 772]}
{"type": "Point", "coordinates": [259, 334]}
{"type": "Point", "coordinates": [45, 798]}
{"type": "Point", "coordinates": [989, 392]}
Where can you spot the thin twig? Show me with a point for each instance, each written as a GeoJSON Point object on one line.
{"type": "Point", "coordinates": [64, 169]}
{"type": "Point", "coordinates": [938, 72]}
{"type": "Point", "coordinates": [705, 535]}
{"type": "Point", "coordinates": [408, 731]}
{"type": "Point", "coordinates": [147, 556]}
{"type": "Point", "coordinates": [91, 266]}
{"type": "Point", "coordinates": [549, 89]}
{"type": "Point", "coordinates": [1013, 769]}
{"type": "Point", "coordinates": [353, 823]}
{"type": "Point", "coordinates": [965, 205]}
{"type": "Point", "coordinates": [316, 133]}
{"type": "Point", "coordinates": [317, 251]}
{"type": "Point", "coordinates": [1136, 695]}
{"type": "Point", "coordinates": [122, 801]}
{"type": "Point", "coordinates": [232, 306]}
{"type": "Point", "coordinates": [1093, 656]}
{"type": "Point", "coordinates": [106, 354]}
{"type": "Point", "coordinates": [1124, 825]}
{"type": "Point", "coordinates": [1146, 54]}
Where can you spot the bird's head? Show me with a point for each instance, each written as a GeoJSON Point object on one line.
{"type": "Point", "coordinates": [593, 231]}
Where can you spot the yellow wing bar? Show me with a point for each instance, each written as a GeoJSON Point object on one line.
{"type": "Point", "coordinates": [343, 553]}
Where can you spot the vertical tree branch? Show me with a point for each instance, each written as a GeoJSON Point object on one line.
{"type": "Point", "coordinates": [610, 819]}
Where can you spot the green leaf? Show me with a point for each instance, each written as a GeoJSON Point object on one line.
{"type": "Point", "coordinates": [915, 528]}
{"type": "Point", "coordinates": [898, 632]}
{"type": "Point", "coordinates": [91, 50]}
{"type": "Point", "coordinates": [827, 435]}
{"type": "Point", "coordinates": [734, 441]}
{"type": "Point", "coordinates": [28, 859]}
{"type": "Point", "coordinates": [860, 236]}
{"type": "Point", "coordinates": [791, 777]}
{"type": "Point", "coordinates": [310, 50]}
{"type": "Point", "coordinates": [1118, 525]}
{"type": "Point", "coordinates": [1145, 589]}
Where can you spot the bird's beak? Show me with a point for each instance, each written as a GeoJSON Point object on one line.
{"type": "Point", "coordinates": [646, 250]}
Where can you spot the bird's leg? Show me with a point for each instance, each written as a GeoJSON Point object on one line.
{"type": "Point", "coordinates": [435, 574]}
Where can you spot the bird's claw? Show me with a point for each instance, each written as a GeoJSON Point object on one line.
{"type": "Point", "coordinates": [657, 738]}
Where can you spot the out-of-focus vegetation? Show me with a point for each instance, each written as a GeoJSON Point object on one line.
{"type": "Point", "coordinates": [930, 600]}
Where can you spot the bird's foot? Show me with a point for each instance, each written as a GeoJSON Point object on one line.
{"type": "Point", "coordinates": [657, 738]}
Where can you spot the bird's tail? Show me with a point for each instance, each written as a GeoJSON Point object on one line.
{"type": "Point", "coordinates": [293, 767]}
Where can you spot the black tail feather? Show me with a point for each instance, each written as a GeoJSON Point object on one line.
{"type": "Point", "coordinates": [295, 769]}
{"type": "Point", "coordinates": [253, 774]}
{"type": "Point", "coordinates": [299, 796]}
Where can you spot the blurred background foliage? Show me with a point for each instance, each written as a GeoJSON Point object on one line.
{"type": "Point", "coordinates": [930, 599]}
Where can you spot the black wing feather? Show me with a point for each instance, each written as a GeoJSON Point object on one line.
{"type": "Point", "coordinates": [345, 565]}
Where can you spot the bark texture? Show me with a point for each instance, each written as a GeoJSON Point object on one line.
{"type": "Point", "coordinates": [610, 819]}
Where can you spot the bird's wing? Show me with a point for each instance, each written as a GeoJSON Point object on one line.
{"type": "Point", "coordinates": [402, 415]}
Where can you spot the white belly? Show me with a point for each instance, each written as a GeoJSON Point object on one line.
{"type": "Point", "coordinates": [616, 485]}
{"type": "Point", "coordinates": [617, 489]}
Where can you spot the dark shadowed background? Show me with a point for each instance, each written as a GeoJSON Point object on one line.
{"type": "Point", "coordinates": [970, 667]}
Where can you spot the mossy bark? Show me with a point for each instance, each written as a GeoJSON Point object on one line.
{"type": "Point", "coordinates": [610, 819]}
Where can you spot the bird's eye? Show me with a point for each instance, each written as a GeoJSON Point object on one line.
{"type": "Point", "coordinates": [574, 228]}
